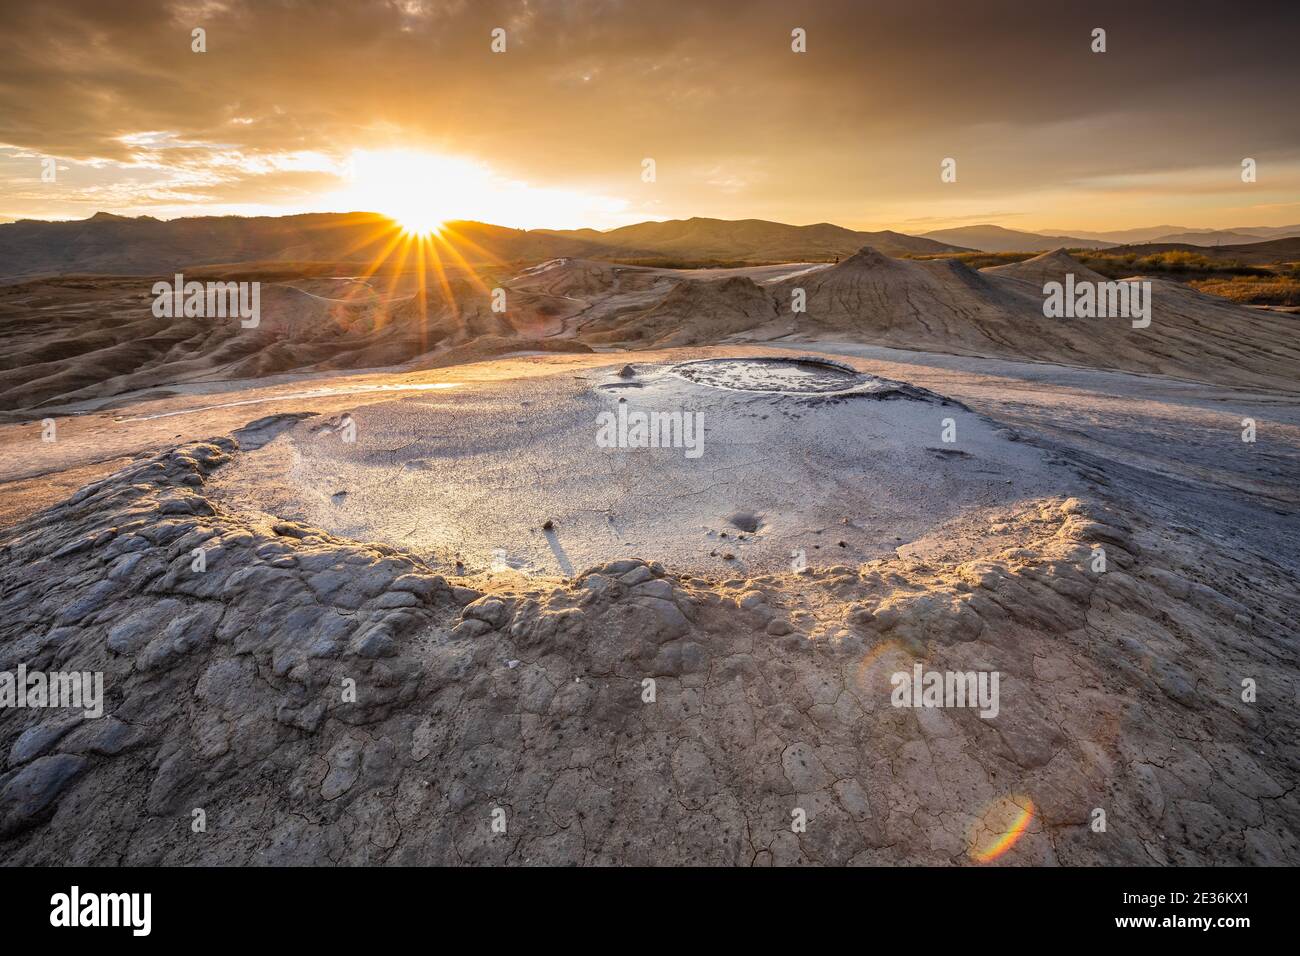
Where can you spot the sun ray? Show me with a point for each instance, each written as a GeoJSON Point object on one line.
{"type": "Point", "coordinates": [396, 273]}
{"type": "Point", "coordinates": [469, 270]}
{"type": "Point", "coordinates": [445, 286]}
{"type": "Point", "coordinates": [377, 262]}
{"type": "Point", "coordinates": [449, 230]}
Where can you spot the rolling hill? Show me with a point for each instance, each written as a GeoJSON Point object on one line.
{"type": "Point", "coordinates": [1262, 252]}
{"type": "Point", "coordinates": [991, 238]}
{"type": "Point", "coordinates": [756, 240]}
{"type": "Point", "coordinates": [1211, 237]}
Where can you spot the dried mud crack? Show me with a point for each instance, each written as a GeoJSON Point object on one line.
{"type": "Point", "coordinates": [328, 701]}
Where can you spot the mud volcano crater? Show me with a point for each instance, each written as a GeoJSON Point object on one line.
{"type": "Point", "coordinates": [795, 375]}
{"type": "Point", "coordinates": [514, 472]}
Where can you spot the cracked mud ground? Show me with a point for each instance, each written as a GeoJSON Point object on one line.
{"type": "Point", "coordinates": [1120, 690]}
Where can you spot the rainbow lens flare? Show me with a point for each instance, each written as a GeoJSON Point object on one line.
{"type": "Point", "coordinates": [1002, 824]}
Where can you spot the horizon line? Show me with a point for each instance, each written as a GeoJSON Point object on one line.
{"type": "Point", "coordinates": [1044, 233]}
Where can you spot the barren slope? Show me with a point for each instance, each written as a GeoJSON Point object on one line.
{"type": "Point", "coordinates": [943, 305]}
{"type": "Point", "coordinates": [77, 338]}
{"type": "Point", "coordinates": [1120, 690]}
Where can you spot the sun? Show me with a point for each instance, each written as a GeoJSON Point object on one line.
{"type": "Point", "coordinates": [419, 190]}
{"type": "Point", "coordinates": [422, 191]}
{"type": "Point", "coordinates": [420, 225]}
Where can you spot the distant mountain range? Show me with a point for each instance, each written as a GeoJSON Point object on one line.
{"type": "Point", "coordinates": [1200, 237]}
{"type": "Point", "coordinates": [991, 238]}
{"type": "Point", "coordinates": [757, 239]}
{"type": "Point", "coordinates": [1211, 237]}
{"type": "Point", "coordinates": [116, 245]}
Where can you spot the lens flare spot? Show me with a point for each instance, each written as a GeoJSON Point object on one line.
{"type": "Point", "coordinates": [1002, 824]}
{"type": "Point", "coordinates": [879, 663]}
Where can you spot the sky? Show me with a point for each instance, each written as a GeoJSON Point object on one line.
{"type": "Point", "coordinates": [402, 107]}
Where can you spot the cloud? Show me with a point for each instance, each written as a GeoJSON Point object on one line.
{"type": "Point", "coordinates": [851, 131]}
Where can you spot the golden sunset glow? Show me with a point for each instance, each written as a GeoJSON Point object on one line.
{"type": "Point", "coordinates": [420, 191]}
{"type": "Point", "coordinates": [419, 225]}
{"type": "Point", "coordinates": [418, 197]}
{"type": "Point", "coordinates": [423, 257]}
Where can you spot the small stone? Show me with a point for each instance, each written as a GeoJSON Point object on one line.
{"type": "Point", "coordinates": [34, 788]}
{"type": "Point", "coordinates": [655, 587]}
{"type": "Point", "coordinates": [469, 629]}
{"type": "Point", "coordinates": [37, 740]}
{"type": "Point", "coordinates": [377, 643]}
{"type": "Point", "coordinates": [637, 575]}
{"type": "Point", "coordinates": [488, 609]}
